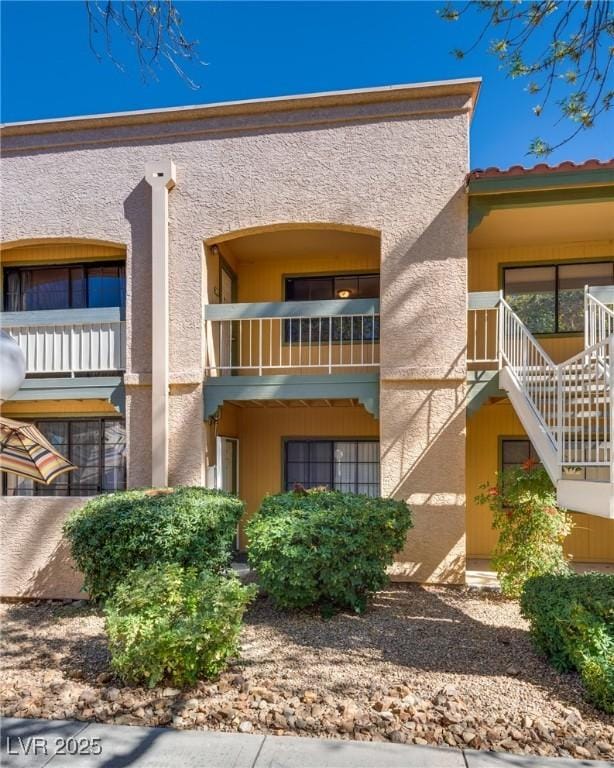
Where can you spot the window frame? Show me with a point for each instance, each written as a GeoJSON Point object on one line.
{"type": "Point", "coordinates": [101, 466]}
{"type": "Point", "coordinates": [291, 323]}
{"type": "Point", "coordinates": [332, 440]}
{"type": "Point", "coordinates": [85, 265]}
{"type": "Point", "coordinates": [556, 266]}
{"type": "Point", "coordinates": [327, 276]}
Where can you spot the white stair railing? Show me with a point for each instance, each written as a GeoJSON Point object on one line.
{"type": "Point", "coordinates": [598, 319]}
{"type": "Point", "coordinates": [585, 407]}
{"type": "Point", "coordinates": [572, 401]}
{"type": "Point", "coordinates": [532, 368]}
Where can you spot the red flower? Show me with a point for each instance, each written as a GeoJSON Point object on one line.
{"type": "Point", "coordinates": [492, 491]}
{"type": "Point", "coordinates": [529, 464]}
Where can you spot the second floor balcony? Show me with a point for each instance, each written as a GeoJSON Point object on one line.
{"type": "Point", "coordinates": [69, 342]}
{"type": "Point", "coordinates": [292, 337]}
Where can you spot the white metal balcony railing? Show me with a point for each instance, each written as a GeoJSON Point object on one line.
{"type": "Point", "coordinates": [69, 341]}
{"type": "Point", "coordinates": [274, 337]}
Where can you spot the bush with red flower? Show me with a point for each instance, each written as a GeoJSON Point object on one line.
{"type": "Point", "coordinates": [531, 527]}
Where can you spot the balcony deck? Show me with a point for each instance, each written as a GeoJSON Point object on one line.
{"type": "Point", "coordinates": [293, 351]}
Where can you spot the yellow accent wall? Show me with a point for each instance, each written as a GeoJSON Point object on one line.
{"type": "Point", "coordinates": [59, 253]}
{"type": "Point", "coordinates": [592, 539]}
{"type": "Point", "coordinates": [261, 431]}
{"type": "Point", "coordinates": [485, 275]}
{"type": "Point", "coordinates": [26, 409]}
{"type": "Point", "coordinates": [263, 280]}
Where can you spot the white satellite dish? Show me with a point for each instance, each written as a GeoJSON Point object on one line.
{"type": "Point", "coordinates": [12, 366]}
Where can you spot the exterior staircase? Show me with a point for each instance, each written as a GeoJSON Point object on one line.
{"type": "Point", "coordinates": [566, 409]}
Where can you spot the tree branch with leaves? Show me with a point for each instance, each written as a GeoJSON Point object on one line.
{"type": "Point", "coordinates": [564, 49]}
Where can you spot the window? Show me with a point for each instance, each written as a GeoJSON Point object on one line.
{"type": "Point", "coordinates": [550, 299]}
{"type": "Point", "coordinates": [96, 446]}
{"type": "Point", "coordinates": [343, 465]}
{"type": "Point", "coordinates": [515, 452]}
{"type": "Point", "coordinates": [312, 288]}
{"type": "Point", "coordinates": [326, 288]}
{"type": "Point", "coordinates": [74, 286]}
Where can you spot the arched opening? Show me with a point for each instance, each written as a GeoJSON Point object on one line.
{"type": "Point", "coordinates": [262, 260]}
{"type": "Point", "coordinates": [292, 389]}
{"type": "Point", "coordinates": [62, 274]}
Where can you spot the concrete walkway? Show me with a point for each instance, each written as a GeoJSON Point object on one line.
{"type": "Point", "coordinates": [479, 572]}
{"type": "Point", "coordinates": [42, 742]}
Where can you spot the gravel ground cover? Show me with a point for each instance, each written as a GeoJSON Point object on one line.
{"type": "Point", "coordinates": [424, 665]}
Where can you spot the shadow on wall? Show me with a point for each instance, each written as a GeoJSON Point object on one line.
{"type": "Point", "coordinates": [36, 558]}
{"type": "Point", "coordinates": [137, 210]}
{"type": "Point", "coordinates": [431, 296]}
{"type": "Point", "coordinates": [424, 392]}
{"type": "Point", "coordinates": [57, 577]}
{"type": "Point", "coordinates": [186, 449]}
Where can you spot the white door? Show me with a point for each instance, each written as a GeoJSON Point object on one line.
{"type": "Point", "coordinates": [227, 468]}
{"type": "Point", "coordinates": [227, 465]}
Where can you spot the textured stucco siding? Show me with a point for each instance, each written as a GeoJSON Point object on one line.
{"type": "Point", "coordinates": [398, 168]}
{"type": "Point", "coordinates": [36, 558]}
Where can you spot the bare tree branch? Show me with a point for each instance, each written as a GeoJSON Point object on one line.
{"type": "Point", "coordinates": [153, 28]}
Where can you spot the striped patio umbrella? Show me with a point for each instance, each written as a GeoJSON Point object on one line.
{"type": "Point", "coordinates": [26, 452]}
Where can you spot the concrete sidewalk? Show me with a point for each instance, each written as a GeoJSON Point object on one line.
{"type": "Point", "coordinates": [42, 742]}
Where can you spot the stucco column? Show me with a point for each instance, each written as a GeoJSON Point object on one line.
{"type": "Point", "coordinates": [161, 176]}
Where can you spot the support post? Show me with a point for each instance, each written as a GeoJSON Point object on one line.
{"type": "Point", "coordinates": [161, 176]}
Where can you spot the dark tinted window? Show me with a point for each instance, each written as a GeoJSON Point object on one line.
{"type": "Point", "coordinates": [71, 287]}
{"type": "Point", "coordinates": [344, 465]}
{"type": "Point", "coordinates": [326, 287]}
{"type": "Point", "coordinates": [96, 446]}
{"type": "Point", "coordinates": [550, 299]}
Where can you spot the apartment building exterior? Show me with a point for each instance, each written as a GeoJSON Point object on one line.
{"type": "Point", "coordinates": [299, 290]}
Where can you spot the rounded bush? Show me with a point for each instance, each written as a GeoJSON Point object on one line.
{"type": "Point", "coordinates": [172, 623]}
{"type": "Point", "coordinates": [117, 532]}
{"type": "Point", "coordinates": [571, 619]}
{"type": "Point", "coordinates": [325, 548]}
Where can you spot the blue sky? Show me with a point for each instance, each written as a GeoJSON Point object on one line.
{"type": "Point", "coordinates": [259, 49]}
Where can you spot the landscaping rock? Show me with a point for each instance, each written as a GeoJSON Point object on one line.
{"type": "Point", "coordinates": [389, 675]}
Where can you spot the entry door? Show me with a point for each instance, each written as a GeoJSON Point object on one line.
{"type": "Point", "coordinates": [228, 295]}
{"type": "Point", "coordinates": [227, 464]}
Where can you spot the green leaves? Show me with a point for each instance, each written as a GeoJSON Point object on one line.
{"type": "Point", "coordinates": [531, 527]}
{"type": "Point", "coordinates": [115, 533]}
{"type": "Point", "coordinates": [172, 623]}
{"type": "Point", "coordinates": [572, 622]}
{"type": "Point", "coordinates": [561, 46]}
{"type": "Point", "coordinates": [325, 548]}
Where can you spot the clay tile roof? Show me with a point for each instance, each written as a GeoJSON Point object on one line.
{"type": "Point", "coordinates": [539, 169]}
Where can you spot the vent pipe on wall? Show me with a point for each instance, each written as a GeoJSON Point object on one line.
{"type": "Point", "coordinates": [161, 176]}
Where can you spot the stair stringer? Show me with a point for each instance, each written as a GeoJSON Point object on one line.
{"type": "Point", "coordinates": [587, 496]}
{"type": "Point", "coordinates": [532, 425]}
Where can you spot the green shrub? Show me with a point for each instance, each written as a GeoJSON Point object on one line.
{"type": "Point", "coordinates": [174, 623]}
{"type": "Point", "coordinates": [572, 622]}
{"type": "Point", "coordinates": [531, 527]}
{"type": "Point", "coordinates": [324, 547]}
{"type": "Point", "coordinates": [115, 533]}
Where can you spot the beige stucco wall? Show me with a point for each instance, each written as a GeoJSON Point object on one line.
{"type": "Point", "coordinates": [35, 558]}
{"type": "Point", "coordinates": [396, 164]}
